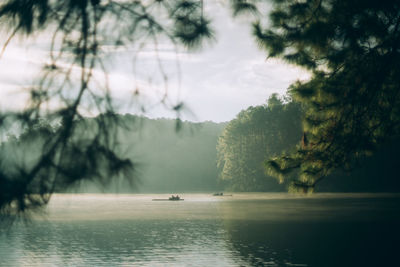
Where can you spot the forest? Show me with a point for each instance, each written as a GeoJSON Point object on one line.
{"type": "Point", "coordinates": [260, 133]}
{"type": "Point", "coordinates": [211, 157]}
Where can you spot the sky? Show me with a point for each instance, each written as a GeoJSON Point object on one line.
{"type": "Point", "coordinates": [227, 75]}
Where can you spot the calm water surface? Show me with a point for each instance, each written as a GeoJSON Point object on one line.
{"type": "Point", "coordinates": [238, 230]}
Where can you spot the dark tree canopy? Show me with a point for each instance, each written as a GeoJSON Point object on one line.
{"type": "Point", "coordinates": [352, 99]}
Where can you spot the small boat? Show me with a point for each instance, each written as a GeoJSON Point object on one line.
{"type": "Point", "coordinates": [171, 198]}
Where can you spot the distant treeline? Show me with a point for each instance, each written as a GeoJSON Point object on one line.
{"type": "Point", "coordinates": [169, 155]}
{"type": "Point", "coordinates": [173, 156]}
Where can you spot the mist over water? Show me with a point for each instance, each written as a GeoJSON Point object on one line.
{"type": "Point", "coordinates": [255, 229]}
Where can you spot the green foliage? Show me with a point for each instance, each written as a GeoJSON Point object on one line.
{"type": "Point", "coordinates": [240, 7]}
{"type": "Point", "coordinates": [255, 135]}
{"type": "Point", "coordinates": [352, 99]}
{"type": "Point", "coordinates": [190, 26]}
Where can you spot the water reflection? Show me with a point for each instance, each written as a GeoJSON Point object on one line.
{"type": "Point", "coordinates": [120, 243]}
{"type": "Point", "coordinates": [247, 230]}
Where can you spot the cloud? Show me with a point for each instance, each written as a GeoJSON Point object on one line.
{"type": "Point", "coordinates": [215, 83]}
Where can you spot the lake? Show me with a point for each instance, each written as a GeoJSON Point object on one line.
{"type": "Point", "coordinates": [255, 229]}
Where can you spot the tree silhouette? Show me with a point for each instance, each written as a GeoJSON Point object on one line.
{"type": "Point", "coordinates": [352, 98]}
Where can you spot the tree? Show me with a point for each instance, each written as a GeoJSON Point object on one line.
{"type": "Point", "coordinates": [82, 32]}
{"type": "Point", "coordinates": [352, 99]}
{"type": "Point", "coordinates": [255, 135]}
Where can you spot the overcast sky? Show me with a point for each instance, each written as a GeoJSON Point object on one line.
{"type": "Point", "coordinates": [215, 83]}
